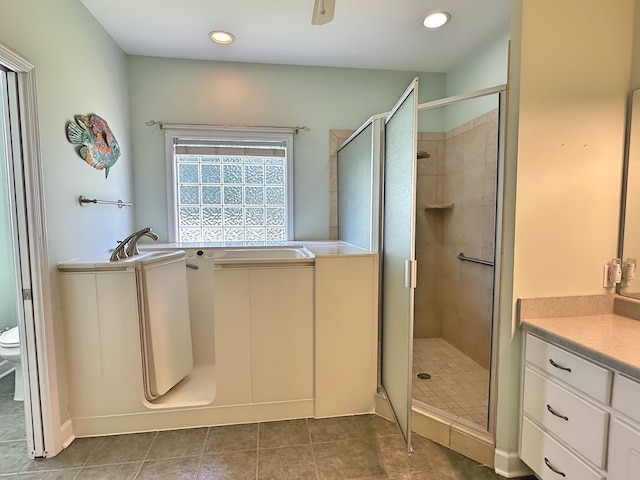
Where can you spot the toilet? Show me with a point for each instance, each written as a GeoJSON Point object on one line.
{"type": "Point", "coordinates": [10, 350]}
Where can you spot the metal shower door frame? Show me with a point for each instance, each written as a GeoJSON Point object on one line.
{"type": "Point", "coordinates": [501, 91]}
{"type": "Point", "coordinates": [410, 269]}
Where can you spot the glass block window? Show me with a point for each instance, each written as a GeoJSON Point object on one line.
{"type": "Point", "coordinates": [231, 187]}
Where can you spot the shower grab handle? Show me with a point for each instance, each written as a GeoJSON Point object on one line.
{"type": "Point", "coordinates": [464, 258]}
{"type": "Point", "coordinates": [566, 369]}
{"type": "Point", "coordinates": [559, 415]}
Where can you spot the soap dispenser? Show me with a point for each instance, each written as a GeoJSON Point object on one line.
{"type": "Point", "coordinates": [629, 271]}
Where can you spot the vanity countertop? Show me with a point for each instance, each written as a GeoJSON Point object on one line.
{"type": "Point", "coordinates": [608, 338]}
{"type": "Point", "coordinates": [605, 328]}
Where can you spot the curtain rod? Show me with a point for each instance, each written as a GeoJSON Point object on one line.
{"type": "Point", "coordinates": [201, 126]}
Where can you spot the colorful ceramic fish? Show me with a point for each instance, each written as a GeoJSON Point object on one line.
{"type": "Point", "coordinates": [99, 147]}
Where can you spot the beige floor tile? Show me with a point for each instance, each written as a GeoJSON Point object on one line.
{"type": "Point", "coordinates": [232, 438]}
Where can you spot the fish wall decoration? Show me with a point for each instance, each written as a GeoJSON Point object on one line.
{"type": "Point", "coordinates": [98, 145]}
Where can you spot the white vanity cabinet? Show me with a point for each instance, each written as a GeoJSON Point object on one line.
{"type": "Point", "coordinates": [265, 316]}
{"type": "Point", "coordinates": [624, 446]}
{"type": "Point", "coordinates": [564, 413]}
{"type": "Point", "coordinates": [580, 418]}
{"type": "Point", "coordinates": [624, 454]}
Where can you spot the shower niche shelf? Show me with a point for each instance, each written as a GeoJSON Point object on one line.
{"type": "Point", "coordinates": [437, 207]}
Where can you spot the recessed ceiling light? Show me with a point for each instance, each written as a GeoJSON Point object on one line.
{"type": "Point", "coordinates": [220, 37]}
{"type": "Point", "coordinates": [436, 19]}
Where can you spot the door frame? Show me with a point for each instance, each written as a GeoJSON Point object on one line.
{"type": "Point", "coordinates": [44, 409]}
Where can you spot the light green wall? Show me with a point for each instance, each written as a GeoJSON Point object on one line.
{"type": "Point", "coordinates": [484, 67]}
{"type": "Point", "coordinates": [8, 289]}
{"type": "Point", "coordinates": [79, 69]}
{"type": "Point", "coordinates": [431, 120]}
{"type": "Point", "coordinates": [222, 93]}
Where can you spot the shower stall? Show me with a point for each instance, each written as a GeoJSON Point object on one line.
{"type": "Point", "coordinates": [422, 186]}
{"type": "Point", "coordinates": [457, 204]}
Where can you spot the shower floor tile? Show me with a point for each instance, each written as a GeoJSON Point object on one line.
{"type": "Point", "coordinates": [458, 385]}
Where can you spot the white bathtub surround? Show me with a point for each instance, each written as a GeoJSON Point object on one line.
{"type": "Point", "coordinates": [275, 338]}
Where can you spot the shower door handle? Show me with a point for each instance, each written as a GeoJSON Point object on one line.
{"type": "Point", "coordinates": [410, 273]}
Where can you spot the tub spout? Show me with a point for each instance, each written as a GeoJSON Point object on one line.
{"type": "Point", "coordinates": [132, 243]}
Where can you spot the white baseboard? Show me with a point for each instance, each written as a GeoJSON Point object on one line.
{"type": "Point", "coordinates": [66, 434]}
{"type": "Point", "coordinates": [509, 465]}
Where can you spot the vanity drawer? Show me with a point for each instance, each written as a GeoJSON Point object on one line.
{"type": "Point", "coordinates": [626, 397]}
{"type": "Point", "coordinates": [573, 420]}
{"type": "Point", "coordinates": [549, 459]}
{"type": "Point", "coordinates": [587, 377]}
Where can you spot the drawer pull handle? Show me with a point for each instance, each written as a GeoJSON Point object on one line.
{"type": "Point", "coordinates": [552, 468]}
{"type": "Point", "coordinates": [552, 411]}
{"type": "Point", "coordinates": [566, 369]}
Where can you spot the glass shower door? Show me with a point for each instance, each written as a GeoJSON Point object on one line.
{"type": "Point", "coordinates": [398, 255]}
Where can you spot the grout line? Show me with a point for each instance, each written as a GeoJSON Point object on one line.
{"type": "Point", "coordinates": [146, 455]}
{"type": "Point", "coordinates": [204, 447]}
{"type": "Point", "coordinates": [313, 450]}
{"type": "Point", "coordinates": [93, 450]}
{"type": "Point", "coordinates": [258, 449]}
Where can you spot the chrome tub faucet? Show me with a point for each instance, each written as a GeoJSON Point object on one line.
{"type": "Point", "coordinates": [129, 246]}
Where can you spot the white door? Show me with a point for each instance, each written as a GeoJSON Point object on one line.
{"type": "Point", "coordinates": [11, 155]}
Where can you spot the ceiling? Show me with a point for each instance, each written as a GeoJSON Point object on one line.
{"type": "Point", "coordinates": [378, 34]}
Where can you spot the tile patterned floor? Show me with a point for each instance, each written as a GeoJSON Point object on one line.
{"type": "Point", "coordinates": [458, 385]}
{"type": "Point", "coordinates": [365, 447]}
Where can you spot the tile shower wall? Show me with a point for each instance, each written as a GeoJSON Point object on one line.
{"type": "Point", "coordinates": [453, 298]}
{"type": "Point", "coordinates": [336, 138]}
{"type": "Point", "coordinates": [429, 239]}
